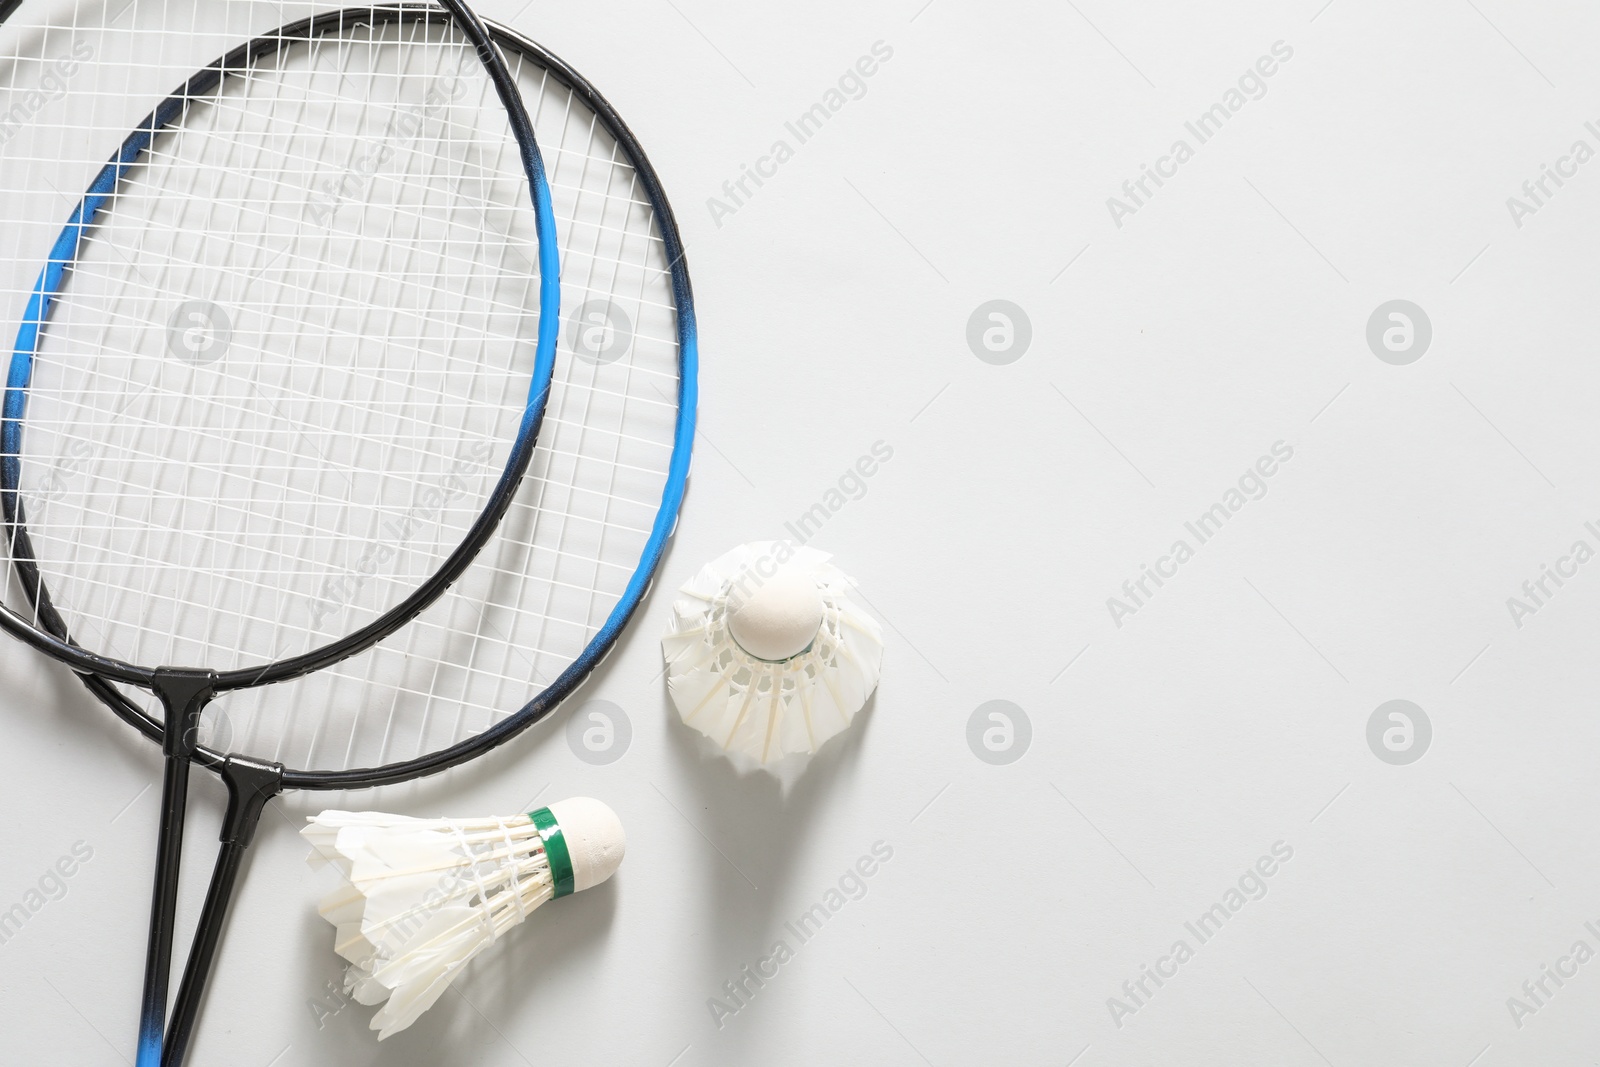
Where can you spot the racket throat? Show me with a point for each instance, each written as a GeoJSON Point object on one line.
{"type": "Point", "coordinates": [251, 783]}
{"type": "Point", "coordinates": [184, 694]}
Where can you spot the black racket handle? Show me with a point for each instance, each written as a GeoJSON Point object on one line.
{"type": "Point", "coordinates": [184, 694]}
{"type": "Point", "coordinates": [251, 783]}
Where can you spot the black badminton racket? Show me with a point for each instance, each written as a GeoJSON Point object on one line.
{"type": "Point", "coordinates": [552, 591]}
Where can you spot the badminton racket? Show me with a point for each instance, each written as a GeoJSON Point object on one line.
{"type": "Point", "coordinates": [282, 370]}
{"type": "Point", "coordinates": [572, 560]}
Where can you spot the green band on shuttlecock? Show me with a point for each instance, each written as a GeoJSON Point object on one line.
{"type": "Point", "coordinates": [555, 848]}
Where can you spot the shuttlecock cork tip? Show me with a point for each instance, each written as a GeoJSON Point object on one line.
{"type": "Point", "coordinates": [779, 619]}
{"type": "Point", "coordinates": [594, 838]}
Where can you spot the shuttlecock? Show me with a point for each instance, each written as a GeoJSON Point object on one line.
{"type": "Point", "coordinates": [422, 897]}
{"type": "Point", "coordinates": [766, 653]}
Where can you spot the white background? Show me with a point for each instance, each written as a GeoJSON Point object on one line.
{"type": "Point", "coordinates": [1167, 754]}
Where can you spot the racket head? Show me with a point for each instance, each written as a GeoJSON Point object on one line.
{"type": "Point", "coordinates": [284, 366]}
{"type": "Point", "coordinates": [573, 559]}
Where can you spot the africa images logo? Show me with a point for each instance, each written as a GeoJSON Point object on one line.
{"type": "Point", "coordinates": [328, 194]}
{"type": "Point", "coordinates": [850, 85]}
{"type": "Point", "coordinates": [337, 593]}
{"type": "Point", "coordinates": [739, 991]}
{"type": "Point", "coordinates": [1251, 85]}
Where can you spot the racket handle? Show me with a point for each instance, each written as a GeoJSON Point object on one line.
{"type": "Point", "coordinates": [184, 694]}
{"type": "Point", "coordinates": [251, 784]}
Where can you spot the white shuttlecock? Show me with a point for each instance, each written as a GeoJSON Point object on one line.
{"type": "Point", "coordinates": [766, 653]}
{"type": "Point", "coordinates": [422, 897]}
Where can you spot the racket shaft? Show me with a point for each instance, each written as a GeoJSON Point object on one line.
{"type": "Point", "coordinates": [250, 785]}
{"type": "Point", "coordinates": [163, 908]}
{"type": "Point", "coordinates": [186, 1009]}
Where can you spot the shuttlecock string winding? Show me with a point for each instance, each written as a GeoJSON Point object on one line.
{"type": "Point", "coordinates": [516, 889]}
{"type": "Point", "coordinates": [474, 863]}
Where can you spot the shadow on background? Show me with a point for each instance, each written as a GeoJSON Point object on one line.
{"type": "Point", "coordinates": [761, 820]}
